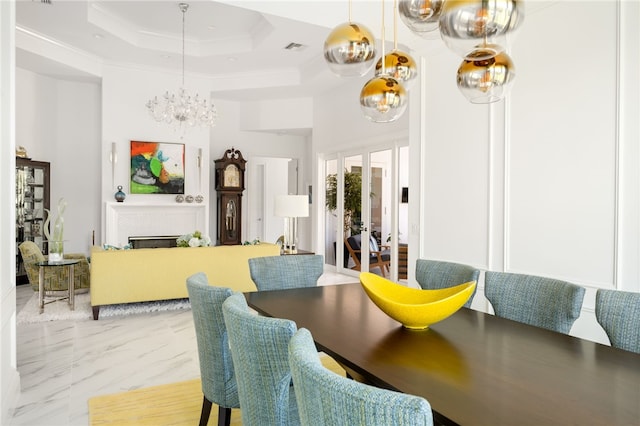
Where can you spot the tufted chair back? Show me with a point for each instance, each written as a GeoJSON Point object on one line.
{"type": "Point", "coordinates": [618, 312]}
{"type": "Point", "coordinates": [539, 301]}
{"type": "Point", "coordinates": [433, 275]}
{"type": "Point", "coordinates": [216, 366]}
{"type": "Point", "coordinates": [259, 348]}
{"type": "Point", "coordinates": [328, 399]}
{"type": "Point", "coordinates": [280, 272]}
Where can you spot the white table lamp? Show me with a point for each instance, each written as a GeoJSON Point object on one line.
{"type": "Point", "coordinates": [291, 207]}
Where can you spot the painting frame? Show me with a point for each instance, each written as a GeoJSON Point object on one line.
{"type": "Point", "coordinates": [156, 167]}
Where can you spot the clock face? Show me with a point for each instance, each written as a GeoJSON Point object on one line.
{"type": "Point", "coordinates": [232, 176]}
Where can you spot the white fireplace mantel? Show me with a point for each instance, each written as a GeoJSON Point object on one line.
{"type": "Point", "coordinates": [124, 220]}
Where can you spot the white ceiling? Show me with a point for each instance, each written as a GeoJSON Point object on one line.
{"type": "Point", "coordinates": [238, 44]}
{"type": "Point", "coordinates": [221, 40]}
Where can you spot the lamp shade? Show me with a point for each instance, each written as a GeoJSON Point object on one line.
{"type": "Point", "coordinates": [484, 81]}
{"type": "Point", "coordinates": [383, 99]}
{"type": "Point", "coordinates": [399, 65]}
{"type": "Point", "coordinates": [421, 16]}
{"type": "Point", "coordinates": [466, 25]}
{"type": "Point", "coordinates": [350, 50]}
{"type": "Point", "coordinates": [291, 206]}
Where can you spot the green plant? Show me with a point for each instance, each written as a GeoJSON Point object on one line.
{"type": "Point", "coordinates": [352, 197]}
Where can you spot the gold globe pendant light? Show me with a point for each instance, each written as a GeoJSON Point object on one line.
{"type": "Point", "coordinates": [397, 64]}
{"type": "Point", "coordinates": [383, 99]}
{"type": "Point", "coordinates": [467, 25]}
{"type": "Point", "coordinates": [349, 50]}
{"type": "Point", "coordinates": [421, 16]}
{"type": "Point", "coordinates": [485, 80]}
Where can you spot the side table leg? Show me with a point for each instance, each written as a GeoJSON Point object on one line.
{"type": "Point", "coordinates": [41, 289]}
{"type": "Point", "coordinates": [72, 289]}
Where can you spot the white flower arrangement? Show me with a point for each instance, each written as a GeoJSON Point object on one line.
{"type": "Point", "coordinates": [193, 240]}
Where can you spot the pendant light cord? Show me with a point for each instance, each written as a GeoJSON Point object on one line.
{"type": "Point", "coordinates": [395, 24]}
{"type": "Point", "coordinates": [384, 60]}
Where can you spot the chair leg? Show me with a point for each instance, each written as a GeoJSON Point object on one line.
{"type": "Point", "coordinates": [224, 416]}
{"type": "Point", "coordinates": [381, 267]}
{"type": "Point", "coordinates": [206, 411]}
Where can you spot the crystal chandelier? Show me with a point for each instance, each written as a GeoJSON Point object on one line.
{"type": "Point", "coordinates": [182, 109]}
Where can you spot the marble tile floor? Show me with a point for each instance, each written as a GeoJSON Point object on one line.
{"type": "Point", "coordinates": [62, 364]}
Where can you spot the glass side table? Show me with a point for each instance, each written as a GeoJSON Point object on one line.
{"type": "Point", "coordinates": [64, 263]}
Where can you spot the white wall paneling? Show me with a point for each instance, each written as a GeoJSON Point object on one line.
{"type": "Point", "coordinates": [562, 151]}
{"type": "Point", "coordinates": [628, 243]}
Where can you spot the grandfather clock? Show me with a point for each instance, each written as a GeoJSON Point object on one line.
{"type": "Point", "coordinates": [229, 186]}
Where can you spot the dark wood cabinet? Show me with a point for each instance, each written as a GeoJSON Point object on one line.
{"type": "Point", "coordinates": [32, 198]}
{"type": "Point", "coordinates": [229, 187]}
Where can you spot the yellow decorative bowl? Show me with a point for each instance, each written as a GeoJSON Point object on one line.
{"type": "Point", "coordinates": [415, 308]}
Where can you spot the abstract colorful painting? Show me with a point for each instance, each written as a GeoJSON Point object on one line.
{"type": "Point", "coordinates": [157, 168]}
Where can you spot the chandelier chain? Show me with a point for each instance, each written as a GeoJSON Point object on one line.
{"type": "Point", "coordinates": [183, 110]}
{"type": "Point", "coordinates": [183, 7]}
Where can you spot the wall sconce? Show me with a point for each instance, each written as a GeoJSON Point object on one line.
{"type": "Point", "coordinates": [113, 159]}
{"type": "Point", "coordinates": [199, 163]}
{"type": "Point", "coordinates": [291, 207]}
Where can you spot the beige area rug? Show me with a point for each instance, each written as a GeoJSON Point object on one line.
{"type": "Point", "coordinates": [60, 310]}
{"type": "Point", "coordinates": [164, 405]}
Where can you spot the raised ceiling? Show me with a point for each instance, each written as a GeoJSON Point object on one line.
{"type": "Point", "coordinates": [221, 42]}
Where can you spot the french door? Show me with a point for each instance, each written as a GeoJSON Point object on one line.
{"type": "Point", "coordinates": [366, 201]}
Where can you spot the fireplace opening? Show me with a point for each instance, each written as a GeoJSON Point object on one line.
{"type": "Point", "coordinates": [153, 241]}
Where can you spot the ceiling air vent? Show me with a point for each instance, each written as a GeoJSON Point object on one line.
{"type": "Point", "coordinates": [295, 46]}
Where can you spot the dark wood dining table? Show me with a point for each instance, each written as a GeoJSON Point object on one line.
{"type": "Point", "coordinates": [473, 368]}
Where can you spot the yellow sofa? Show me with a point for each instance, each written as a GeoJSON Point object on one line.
{"type": "Point", "coordinates": [141, 275]}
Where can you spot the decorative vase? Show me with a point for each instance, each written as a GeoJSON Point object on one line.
{"type": "Point", "coordinates": [56, 251]}
{"type": "Point", "coordinates": [120, 195]}
{"type": "Point", "coordinates": [55, 238]}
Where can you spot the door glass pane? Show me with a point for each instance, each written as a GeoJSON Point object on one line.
{"type": "Point", "coordinates": [331, 222]}
{"type": "Point", "coordinates": [352, 221]}
{"type": "Point", "coordinates": [403, 212]}
{"type": "Point", "coordinates": [380, 214]}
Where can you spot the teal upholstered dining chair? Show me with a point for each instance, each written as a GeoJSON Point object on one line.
{"type": "Point", "coordinates": [259, 348]}
{"type": "Point", "coordinates": [618, 312]}
{"type": "Point", "coordinates": [327, 399]}
{"type": "Point", "coordinates": [291, 271]}
{"type": "Point", "coordinates": [434, 274]}
{"type": "Point", "coordinates": [216, 366]}
{"type": "Point", "coordinates": [539, 301]}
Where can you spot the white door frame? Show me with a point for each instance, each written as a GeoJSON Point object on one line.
{"type": "Point", "coordinates": [366, 153]}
